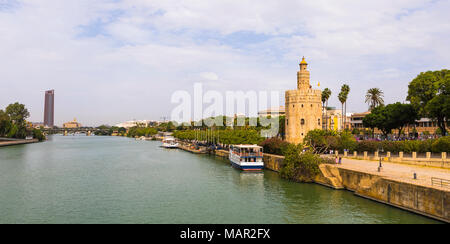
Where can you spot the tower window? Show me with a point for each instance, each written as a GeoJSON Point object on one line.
{"type": "Point", "coordinates": [302, 122]}
{"type": "Point", "coordinates": [319, 121]}
{"type": "Point", "coordinates": [302, 105]}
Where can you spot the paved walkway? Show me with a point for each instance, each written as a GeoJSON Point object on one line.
{"type": "Point", "coordinates": [16, 142]}
{"type": "Point", "coordinates": [399, 172]}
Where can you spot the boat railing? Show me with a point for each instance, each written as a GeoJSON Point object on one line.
{"type": "Point", "coordinates": [258, 154]}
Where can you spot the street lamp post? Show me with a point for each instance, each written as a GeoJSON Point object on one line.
{"type": "Point", "coordinates": [380, 149]}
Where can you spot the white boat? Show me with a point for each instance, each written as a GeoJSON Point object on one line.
{"type": "Point", "coordinates": [247, 157]}
{"type": "Point", "coordinates": [142, 138]}
{"type": "Point", "coordinates": [169, 142]}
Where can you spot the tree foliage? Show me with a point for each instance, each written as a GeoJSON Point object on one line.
{"type": "Point", "coordinates": [13, 122]}
{"type": "Point", "coordinates": [374, 97]}
{"type": "Point", "coordinates": [142, 131]}
{"type": "Point", "coordinates": [17, 113]}
{"type": "Point", "coordinates": [300, 166]}
{"type": "Point", "coordinates": [320, 141]}
{"type": "Point", "coordinates": [228, 136]}
{"type": "Point", "coordinates": [392, 116]}
{"type": "Point", "coordinates": [429, 93]}
{"type": "Point", "coordinates": [5, 123]}
{"type": "Point", "coordinates": [274, 145]}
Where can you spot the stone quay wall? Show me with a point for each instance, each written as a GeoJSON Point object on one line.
{"type": "Point", "coordinates": [427, 201]}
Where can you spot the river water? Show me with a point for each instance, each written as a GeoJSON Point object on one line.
{"type": "Point", "coordinates": [79, 179]}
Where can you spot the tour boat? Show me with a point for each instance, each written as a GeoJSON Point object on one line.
{"type": "Point", "coordinates": [247, 157]}
{"type": "Point", "coordinates": [169, 142]}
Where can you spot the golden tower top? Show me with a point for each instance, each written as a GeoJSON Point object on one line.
{"type": "Point", "coordinates": [303, 61]}
{"type": "Point", "coordinates": [303, 76]}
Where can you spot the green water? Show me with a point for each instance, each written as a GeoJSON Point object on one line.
{"type": "Point", "coordinates": [78, 179]}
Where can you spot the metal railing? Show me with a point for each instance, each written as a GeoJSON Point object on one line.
{"type": "Point", "coordinates": [440, 182]}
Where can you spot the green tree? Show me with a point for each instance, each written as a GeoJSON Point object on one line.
{"type": "Point", "coordinates": [299, 166]}
{"type": "Point", "coordinates": [319, 140]}
{"type": "Point", "coordinates": [400, 115]}
{"type": "Point", "coordinates": [18, 113]}
{"type": "Point", "coordinates": [282, 126]}
{"type": "Point", "coordinates": [372, 120]}
{"type": "Point", "coordinates": [374, 97]}
{"type": "Point", "coordinates": [379, 118]}
{"type": "Point", "coordinates": [343, 96]}
{"type": "Point", "coordinates": [326, 94]}
{"type": "Point", "coordinates": [37, 134]}
{"type": "Point", "coordinates": [389, 117]}
{"type": "Point", "coordinates": [5, 123]}
{"type": "Point", "coordinates": [429, 93]}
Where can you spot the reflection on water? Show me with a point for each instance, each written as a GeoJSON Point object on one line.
{"type": "Point", "coordinates": [78, 179]}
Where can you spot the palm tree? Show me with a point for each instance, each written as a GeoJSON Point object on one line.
{"type": "Point", "coordinates": [343, 95]}
{"type": "Point", "coordinates": [326, 94]}
{"type": "Point", "coordinates": [374, 97]}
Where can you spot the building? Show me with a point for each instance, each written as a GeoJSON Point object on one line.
{"type": "Point", "coordinates": [303, 107]}
{"type": "Point", "coordinates": [332, 119]}
{"type": "Point", "coordinates": [72, 124]}
{"type": "Point", "coordinates": [273, 112]}
{"type": "Point", "coordinates": [49, 108]}
{"type": "Point", "coordinates": [356, 120]}
{"type": "Point", "coordinates": [137, 123]}
{"type": "Point", "coordinates": [423, 126]}
{"type": "Point", "coordinates": [35, 125]}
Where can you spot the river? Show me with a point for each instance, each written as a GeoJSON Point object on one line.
{"type": "Point", "coordinates": [79, 179]}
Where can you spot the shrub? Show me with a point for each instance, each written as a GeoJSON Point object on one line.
{"type": "Point", "coordinates": [425, 146]}
{"type": "Point", "coordinates": [441, 145]}
{"type": "Point", "coordinates": [391, 146]}
{"type": "Point", "coordinates": [369, 146]}
{"type": "Point", "coordinates": [346, 141]}
{"type": "Point", "coordinates": [298, 166]}
{"type": "Point", "coordinates": [274, 146]}
{"type": "Point", "coordinates": [411, 146]}
{"type": "Point", "coordinates": [13, 131]}
{"type": "Point", "coordinates": [37, 134]}
{"type": "Point", "coordinates": [320, 141]}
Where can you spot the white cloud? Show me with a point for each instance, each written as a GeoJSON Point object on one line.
{"type": "Point", "coordinates": [111, 61]}
{"type": "Point", "coordinates": [211, 76]}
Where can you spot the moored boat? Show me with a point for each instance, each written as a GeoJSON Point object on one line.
{"type": "Point", "coordinates": [169, 142]}
{"type": "Point", "coordinates": [247, 157]}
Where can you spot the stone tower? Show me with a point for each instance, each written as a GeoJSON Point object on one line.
{"type": "Point", "coordinates": [303, 107]}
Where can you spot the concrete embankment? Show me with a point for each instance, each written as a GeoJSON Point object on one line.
{"type": "Point", "coordinates": [429, 201]}
{"type": "Point", "coordinates": [17, 142]}
{"type": "Point", "coordinates": [190, 148]}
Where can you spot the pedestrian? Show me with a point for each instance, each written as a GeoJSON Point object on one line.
{"type": "Point", "coordinates": [340, 160]}
{"type": "Point", "coordinates": [337, 160]}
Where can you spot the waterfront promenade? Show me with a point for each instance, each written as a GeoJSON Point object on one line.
{"type": "Point", "coordinates": [399, 172]}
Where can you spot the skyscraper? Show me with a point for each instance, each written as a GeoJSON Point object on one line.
{"type": "Point", "coordinates": [49, 108]}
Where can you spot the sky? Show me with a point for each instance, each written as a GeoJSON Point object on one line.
{"type": "Point", "coordinates": [111, 61]}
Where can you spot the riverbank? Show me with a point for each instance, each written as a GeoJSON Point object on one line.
{"type": "Point", "coordinates": [394, 185]}
{"type": "Point", "coordinates": [110, 180]}
{"type": "Point", "coordinates": [17, 142]}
